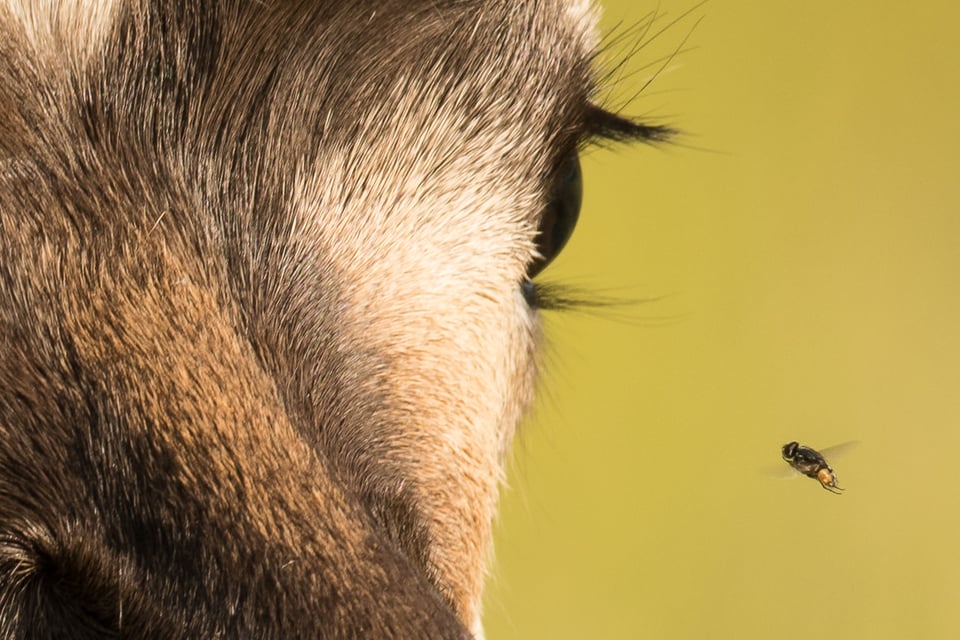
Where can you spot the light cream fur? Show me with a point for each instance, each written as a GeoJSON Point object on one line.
{"type": "Point", "coordinates": [434, 257]}
{"type": "Point", "coordinates": [73, 29]}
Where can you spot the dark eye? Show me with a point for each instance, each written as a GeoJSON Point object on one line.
{"type": "Point", "coordinates": [561, 213]}
{"type": "Point", "coordinates": [789, 450]}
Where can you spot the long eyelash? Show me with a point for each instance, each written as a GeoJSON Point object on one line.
{"type": "Point", "coordinates": [600, 125]}
{"type": "Point", "coordinates": [554, 297]}
{"type": "Point", "coordinates": [551, 296]}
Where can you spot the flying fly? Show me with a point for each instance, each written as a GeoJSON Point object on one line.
{"type": "Point", "coordinates": [812, 464]}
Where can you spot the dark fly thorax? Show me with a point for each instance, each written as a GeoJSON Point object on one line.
{"type": "Point", "coordinates": [805, 460]}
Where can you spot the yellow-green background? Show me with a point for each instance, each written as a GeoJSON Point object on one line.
{"type": "Point", "coordinates": [805, 241]}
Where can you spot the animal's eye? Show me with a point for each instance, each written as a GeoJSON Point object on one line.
{"type": "Point", "coordinates": [561, 213]}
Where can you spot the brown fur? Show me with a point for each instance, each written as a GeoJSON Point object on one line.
{"type": "Point", "coordinates": [262, 331]}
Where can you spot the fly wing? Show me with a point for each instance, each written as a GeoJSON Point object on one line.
{"type": "Point", "coordinates": [838, 449]}
{"type": "Point", "coordinates": [781, 471]}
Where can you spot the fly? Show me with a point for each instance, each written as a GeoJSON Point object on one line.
{"type": "Point", "coordinates": [812, 464]}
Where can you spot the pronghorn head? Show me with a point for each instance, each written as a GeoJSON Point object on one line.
{"type": "Point", "coordinates": [266, 315]}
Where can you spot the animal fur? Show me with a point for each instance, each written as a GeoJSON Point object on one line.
{"type": "Point", "coordinates": [265, 331]}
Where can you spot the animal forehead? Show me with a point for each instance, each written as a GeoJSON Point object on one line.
{"type": "Point", "coordinates": [298, 83]}
{"type": "Point", "coordinates": [423, 96]}
{"type": "Point", "coordinates": [518, 60]}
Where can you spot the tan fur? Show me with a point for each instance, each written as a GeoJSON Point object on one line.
{"type": "Point", "coordinates": [265, 316]}
{"type": "Point", "coordinates": [72, 29]}
{"type": "Point", "coordinates": [433, 269]}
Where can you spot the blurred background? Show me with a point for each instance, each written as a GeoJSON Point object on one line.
{"type": "Point", "coordinates": [800, 248]}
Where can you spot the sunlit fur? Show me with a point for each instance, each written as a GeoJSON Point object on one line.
{"type": "Point", "coordinates": [263, 339]}
{"type": "Point", "coordinates": [70, 31]}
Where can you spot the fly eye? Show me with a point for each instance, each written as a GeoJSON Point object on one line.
{"type": "Point", "coordinates": [560, 215]}
{"type": "Point", "coordinates": [790, 450]}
